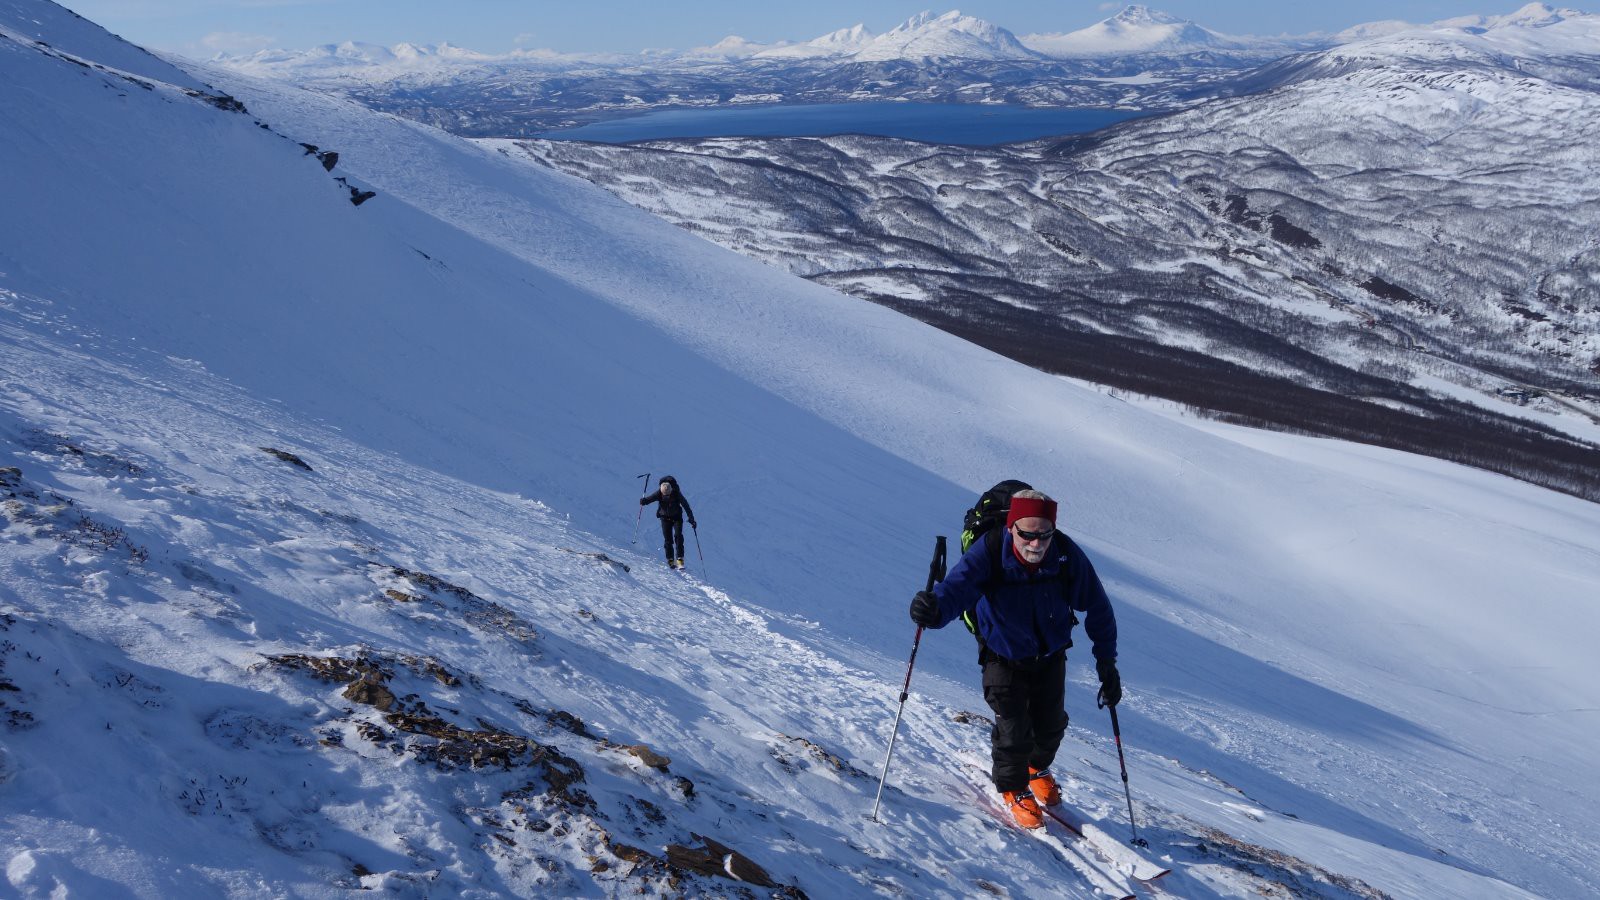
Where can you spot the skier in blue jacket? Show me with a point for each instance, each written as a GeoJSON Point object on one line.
{"type": "Point", "coordinates": [1022, 586]}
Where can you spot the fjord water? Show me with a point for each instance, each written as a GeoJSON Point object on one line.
{"type": "Point", "coordinates": [939, 123]}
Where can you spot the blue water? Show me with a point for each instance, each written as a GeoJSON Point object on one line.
{"type": "Point", "coordinates": [940, 123]}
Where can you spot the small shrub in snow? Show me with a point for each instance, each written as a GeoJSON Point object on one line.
{"type": "Point", "coordinates": [287, 457]}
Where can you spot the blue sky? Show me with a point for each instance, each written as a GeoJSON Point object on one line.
{"type": "Point", "coordinates": [203, 27]}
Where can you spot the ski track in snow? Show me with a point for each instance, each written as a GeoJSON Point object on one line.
{"type": "Point", "coordinates": [225, 523]}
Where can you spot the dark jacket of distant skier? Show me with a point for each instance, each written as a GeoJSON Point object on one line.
{"type": "Point", "coordinates": [1024, 611]}
{"type": "Point", "coordinates": [674, 506]}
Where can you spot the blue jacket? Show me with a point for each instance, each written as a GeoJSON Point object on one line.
{"type": "Point", "coordinates": [1028, 615]}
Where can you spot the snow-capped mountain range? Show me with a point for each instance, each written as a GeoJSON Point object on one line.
{"type": "Point", "coordinates": [1139, 58]}
{"type": "Point", "coordinates": [924, 36]}
{"type": "Point", "coordinates": [1534, 15]}
{"type": "Point", "coordinates": [946, 58]}
{"type": "Point", "coordinates": [927, 35]}
{"type": "Point", "coordinates": [318, 570]}
{"type": "Point", "coordinates": [1135, 31]}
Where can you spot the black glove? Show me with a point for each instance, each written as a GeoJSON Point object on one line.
{"type": "Point", "coordinates": [643, 501]}
{"type": "Point", "coordinates": [925, 609]}
{"type": "Point", "coordinates": [693, 526]}
{"type": "Point", "coordinates": [1110, 682]}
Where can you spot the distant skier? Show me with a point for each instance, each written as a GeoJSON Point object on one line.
{"type": "Point", "coordinates": [1021, 586]}
{"type": "Point", "coordinates": [674, 506]}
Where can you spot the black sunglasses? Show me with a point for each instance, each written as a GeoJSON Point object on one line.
{"type": "Point", "coordinates": [1031, 536]}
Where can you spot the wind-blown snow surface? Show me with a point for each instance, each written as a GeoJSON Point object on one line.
{"type": "Point", "coordinates": [1386, 658]}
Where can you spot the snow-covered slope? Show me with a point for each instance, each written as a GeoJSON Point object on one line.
{"type": "Point", "coordinates": [55, 25]}
{"type": "Point", "coordinates": [1562, 46]}
{"type": "Point", "coordinates": [1534, 15]}
{"type": "Point", "coordinates": [400, 666]}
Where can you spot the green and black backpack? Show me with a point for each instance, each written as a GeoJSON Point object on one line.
{"type": "Point", "coordinates": [980, 525]}
{"type": "Point", "coordinates": [981, 520]}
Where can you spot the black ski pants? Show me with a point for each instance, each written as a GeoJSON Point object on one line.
{"type": "Point", "coordinates": [1030, 715]}
{"type": "Point", "coordinates": [672, 536]}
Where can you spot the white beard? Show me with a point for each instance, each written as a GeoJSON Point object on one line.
{"type": "Point", "coordinates": [1033, 554]}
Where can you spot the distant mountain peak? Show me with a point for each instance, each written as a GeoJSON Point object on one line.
{"type": "Point", "coordinates": [950, 34]}
{"type": "Point", "coordinates": [732, 47]}
{"type": "Point", "coordinates": [1538, 14]}
{"type": "Point", "coordinates": [952, 20]}
{"type": "Point", "coordinates": [921, 19]}
{"type": "Point", "coordinates": [1143, 15]}
{"type": "Point", "coordinates": [843, 42]}
{"type": "Point", "coordinates": [1136, 29]}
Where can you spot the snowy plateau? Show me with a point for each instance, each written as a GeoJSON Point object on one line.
{"type": "Point", "coordinates": [296, 488]}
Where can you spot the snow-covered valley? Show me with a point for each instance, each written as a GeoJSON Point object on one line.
{"type": "Point", "coordinates": [296, 490]}
{"type": "Point", "coordinates": [1393, 241]}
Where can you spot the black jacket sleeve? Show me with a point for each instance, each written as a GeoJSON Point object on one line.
{"type": "Point", "coordinates": [650, 498]}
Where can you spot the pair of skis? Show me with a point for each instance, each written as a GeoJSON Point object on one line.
{"type": "Point", "coordinates": [1111, 867]}
{"type": "Point", "coordinates": [1126, 860]}
{"type": "Point", "coordinates": [1107, 863]}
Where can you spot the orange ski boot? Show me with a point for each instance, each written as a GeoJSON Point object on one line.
{"type": "Point", "coordinates": [1043, 785]}
{"type": "Point", "coordinates": [1024, 807]}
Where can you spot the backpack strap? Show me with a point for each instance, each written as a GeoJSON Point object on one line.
{"type": "Point", "coordinates": [991, 545]}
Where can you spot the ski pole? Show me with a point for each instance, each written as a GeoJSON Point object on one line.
{"type": "Point", "coordinates": [640, 517]}
{"type": "Point", "coordinates": [1116, 731]}
{"type": "Point", "coordinates": [696, 530]}
{"type": "Point", "coordinates": [935, 573]}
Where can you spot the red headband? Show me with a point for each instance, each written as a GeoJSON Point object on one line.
{"type": "Point", "coordinates": [1030, 508]}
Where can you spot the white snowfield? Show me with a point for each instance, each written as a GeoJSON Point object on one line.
{"type": "Point", "coordinates": [415, 662]}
